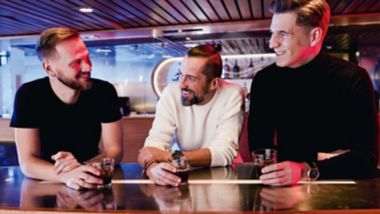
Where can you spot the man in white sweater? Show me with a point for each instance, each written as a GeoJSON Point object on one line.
{"type": "Point", "coordinates": [204, 114]}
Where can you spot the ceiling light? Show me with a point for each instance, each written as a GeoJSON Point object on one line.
{"type": "Point", "coordinates": [190, 45]}
{"type": "Point", "coordinates": [103, 50]}
{"type": "Point", "coordinates": [86, 10]}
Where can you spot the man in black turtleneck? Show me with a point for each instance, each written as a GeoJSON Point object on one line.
{"type": "Point", "coordinates": [321, 109]}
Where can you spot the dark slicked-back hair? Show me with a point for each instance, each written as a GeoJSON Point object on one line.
{"type": "Point", "coordinates": [49, 38]}
{"type": "Point", "coordinates": [310, 13]}
{"type": "Point", "coordinates": [214, 65]}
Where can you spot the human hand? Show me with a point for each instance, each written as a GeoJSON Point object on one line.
{"type": "Point", "coordinates": [281, 174]}
{"type": "Point", "coordinates": [84, 176]}
{"type": "Point", "coordinates": [149, 155]}
{"type": "Point", "coordinates": [90, 199]}
{"type": "Point", "coordinates": [162, 174]}
{"type": "Point", "coordinates": [64, 162]}
{"type": "Point", "coordinates": [281, 198]}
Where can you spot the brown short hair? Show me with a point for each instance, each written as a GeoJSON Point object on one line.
{"type": "Point", "coordinates": [310, 13]}
{"type": "Point", "coordinates": [49, 38]}
{"type": "Point", "coordinates": [214, 64]}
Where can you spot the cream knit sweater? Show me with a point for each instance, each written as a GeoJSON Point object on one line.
{"type": "Point", "coordinates": [215, 125]}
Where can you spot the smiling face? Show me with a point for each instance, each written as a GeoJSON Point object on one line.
{"type": "Point", "coordinates": [194, 85]}
{"type": "Point", "coordinates": [293, 45]}
{"type": "Point", "coordinates": [71, 64]}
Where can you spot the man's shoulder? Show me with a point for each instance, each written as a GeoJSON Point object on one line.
{"type": "Point", "coordinates": [231, 90]}
{"type": "Point", "coordinates": [171, 90]}
{"type": "Point", "coordinates": [99, 85]}
{"type": "Point", "coordinates": [99, 82]}
{"type": "Point", "coordinates": [230, 86]}
{"type": "Point", "coordinates": [341, 67]}
{"type": "Point", "coordinates": [267, 70]}
{"type": "Point", "coordinates": [35, 85]}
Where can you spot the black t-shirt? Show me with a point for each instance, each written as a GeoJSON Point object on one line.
{"type": "Point", "coordinates": [323, 106]}
{"type": "Point", "coordinates": [75, 128]}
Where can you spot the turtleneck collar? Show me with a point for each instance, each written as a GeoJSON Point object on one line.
{"type": "Point", "coordinates": [308, 66]}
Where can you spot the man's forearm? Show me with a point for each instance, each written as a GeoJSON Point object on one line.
{"type": "Point", "coordinates": [39, 169]}
{"type": "Point", "coordinates": [201, 157]}
{"type": "Point", "coordinates": [149, 155]}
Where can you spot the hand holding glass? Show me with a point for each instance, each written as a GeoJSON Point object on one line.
{"type": "Point", "coordinates": [106, 168]}
{"type": "Point", "coordinates": [262, 158]}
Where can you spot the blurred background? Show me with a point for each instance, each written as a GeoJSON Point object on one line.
{"type": "Point", "coordinates": [137, 45]}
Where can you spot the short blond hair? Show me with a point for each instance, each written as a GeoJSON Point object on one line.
{"type": "Point", "coordinates": [49, 38]}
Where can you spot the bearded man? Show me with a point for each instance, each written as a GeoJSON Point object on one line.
{"type": "Point", "coordinates": [201, 112]}
{"type": "Point", "coordinates": [59, 120]}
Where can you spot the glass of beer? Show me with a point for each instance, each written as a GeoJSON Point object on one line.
{"type": "Point", "coordinates": [262, 158]}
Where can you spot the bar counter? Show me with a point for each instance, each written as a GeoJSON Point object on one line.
{"type": "Point", "coordinates": [216, 190]}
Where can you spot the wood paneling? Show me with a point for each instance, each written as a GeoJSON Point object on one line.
{"type": "Point", "coordinates": [6, 132]}
{"type": "Point", "coordinates": [136, 129]}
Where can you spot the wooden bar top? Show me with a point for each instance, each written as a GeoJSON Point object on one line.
{"type": "Point", "coordinates": [215, 190]}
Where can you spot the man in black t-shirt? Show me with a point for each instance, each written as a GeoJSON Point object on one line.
{"type": "Point", "coordinates": [321, 109]}
{"type": "Point", "coordinates": [60, 119]}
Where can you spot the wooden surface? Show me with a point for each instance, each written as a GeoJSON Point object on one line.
{"type": "Point", "coordinates": [23, 195]}
{"type": "Point", "coordinates": [6, 132]}
{"type": "Point", "coordinates": [136, 129]}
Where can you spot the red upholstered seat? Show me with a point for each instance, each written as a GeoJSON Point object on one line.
{"type": "Point", "coordinates": [244, 154]}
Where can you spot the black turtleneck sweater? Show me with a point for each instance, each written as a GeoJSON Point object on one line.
{"type": "Point", "coordinates": [323, 106]}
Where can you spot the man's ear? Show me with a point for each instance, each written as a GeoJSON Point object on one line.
{"type": "Point", "coordinates": [46, 64]}
{"type": "Point", "coordinates": [214, 83]}
{"type": "Point", "coordinates": [316, 35]}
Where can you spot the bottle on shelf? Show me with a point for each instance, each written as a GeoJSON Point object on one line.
{"type": "Point", "coordinates": [226, 69]}
{"type": "Point", "coordinates": [236, 70]}
{"type": "Point", "coordinates": [177, 74]}
{"type": "Point", "coordinates": [250, 63]}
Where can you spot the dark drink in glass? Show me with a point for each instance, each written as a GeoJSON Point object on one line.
{"type": "Point", "coordinates": [183, 166]}
{"type": "Point", "coordinates": [106, 167]}
{"type": "Point", "coordinates": [106, 175]}
{"type": "Point", "coordinates": [184, 175]}
{"type": "Point", "coordinates": [262, 158]}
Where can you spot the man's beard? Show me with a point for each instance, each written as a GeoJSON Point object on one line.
{"type": "Point", "coordinates": [194, 100]}
{"type": "Point", "coordinates": [76, 85]}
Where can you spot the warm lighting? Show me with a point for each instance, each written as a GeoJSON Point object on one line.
{"type": "Point", "coordinates": [86, 10]}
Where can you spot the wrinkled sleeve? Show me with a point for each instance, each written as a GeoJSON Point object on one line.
{"type": "Point", "coordinates": [225, 145]}
{"type": "Point", "coordinates": [163, 127]}
{"type": "Point", "coordinates": [362, 159]}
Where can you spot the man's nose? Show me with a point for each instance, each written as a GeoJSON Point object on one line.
{"type": "Point", "coordinates": [274, 41]}
{"type": "Point", "coordinates": [86, 66]}
{"type": "Point", "coordinates": [182, 82]}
